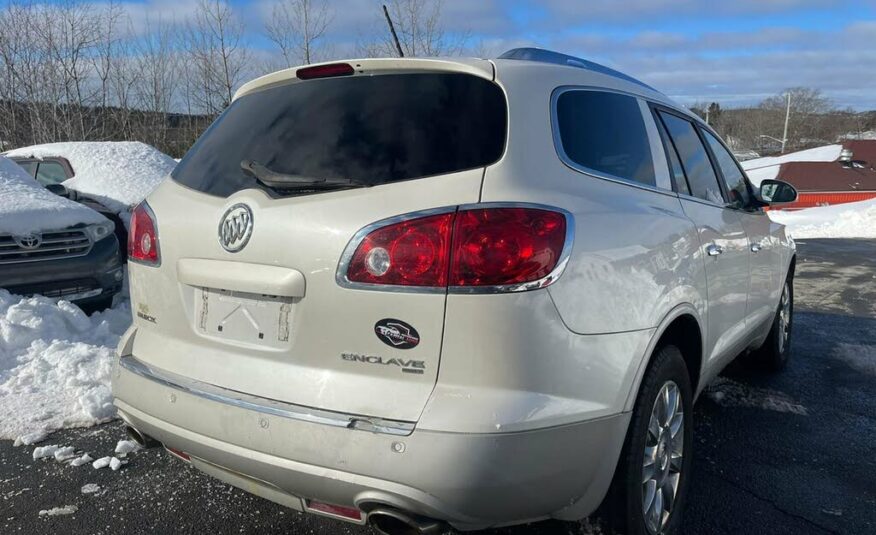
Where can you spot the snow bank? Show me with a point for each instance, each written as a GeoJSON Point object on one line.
{"type": "Point", "coordinates": [766, 168]}
{"type": "Point", "coordinates": [26, 207]}
{"type": "Point", "coordinates": [849, 220]}
{"type": "Point", "coordinates": [119, 174]}
{"type": "Point", "coordinates": [55, 364]}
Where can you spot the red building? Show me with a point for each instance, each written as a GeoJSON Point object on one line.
{"type": "Point", "coordinates": [836, 182]}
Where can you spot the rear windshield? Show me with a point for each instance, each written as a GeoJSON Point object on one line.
{"type": "Point", "coordinates": [367, 129]}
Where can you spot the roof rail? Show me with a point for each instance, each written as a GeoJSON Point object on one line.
{"type": "Point", "coordinates": [549, 56]}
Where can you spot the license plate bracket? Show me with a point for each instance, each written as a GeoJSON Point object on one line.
{"type": "Point", "coordinates": [240, 317]}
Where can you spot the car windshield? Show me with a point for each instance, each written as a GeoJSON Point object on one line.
{"type": "Point", "coordinates": [368, 130]}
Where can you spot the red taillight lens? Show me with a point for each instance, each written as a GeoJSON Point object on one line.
{"type": "Point", "coordinates": [143, 237]}
{"type": "Point", "coordinates": [500, 246]}
{"type": "Point", "coordinates": [324, 71]}
{"type": "Point", "coordinates": [411, 253]}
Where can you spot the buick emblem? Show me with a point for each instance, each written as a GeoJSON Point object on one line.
{"type": "Point", "coordinates": [30, 242]}
{"type": "Point", "coordinates": [235, 228]}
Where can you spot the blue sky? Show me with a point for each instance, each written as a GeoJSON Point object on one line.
{"type": "Point", "coordinates": [736, 52]}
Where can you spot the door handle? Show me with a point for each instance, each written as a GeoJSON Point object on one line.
{"type": "Point", "coordinates": [755, 247]}
{"type": "Point", "coordinates": [714, 250]}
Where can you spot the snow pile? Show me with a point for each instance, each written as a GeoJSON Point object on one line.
{"type": "Point", "coordinates": [849, 220]}
{"type": "Point", "coordinates": [869, 134]}
{"type": "Point", "coordinates": [26, 207]}
{"type": "Point", "coordinates": [767, 168]}
{"type": "Point", "coordinates": [119, 174]}
{"type": "Point", "coordinates": [728, 393]}
{"type": "Point", "coordinates": [55, 511]}
{"type": "Point", "coordinates": [55, 365]}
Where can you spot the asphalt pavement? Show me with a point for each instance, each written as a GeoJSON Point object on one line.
{"type": "Point", "coordinates": [787, 453]}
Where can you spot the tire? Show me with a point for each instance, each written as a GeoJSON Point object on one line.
{"type": "Point", "coordinates": [775, 352]}
{"type": "Point", "coordinates": [625, 507]}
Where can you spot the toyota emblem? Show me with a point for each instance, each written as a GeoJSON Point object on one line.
{"type": "Point", "coordinates": [30, 242]}
{"type": "Point", "coordinates": [235, 228]}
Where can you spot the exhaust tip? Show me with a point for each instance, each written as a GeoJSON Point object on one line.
{"type": "Point", "coordinates": [144, 441]}
{"type": "Point", "coordinates": [390, 521]}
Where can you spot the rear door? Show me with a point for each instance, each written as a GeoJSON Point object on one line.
{"type": "Point", "coordinates": [260, 311]}
{"type": "Point", "coordinates": [762, 236]}
{"type": "Point", "coordinates": [723, 241]}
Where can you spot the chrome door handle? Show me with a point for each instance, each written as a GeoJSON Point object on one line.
{"type": "Point", "coordinates": [714, 250]}
{"type": "Point", "coordinates": [755, 247]}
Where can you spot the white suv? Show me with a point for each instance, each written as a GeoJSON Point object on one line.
{"type": "Point", "coordinates": [420, 292]}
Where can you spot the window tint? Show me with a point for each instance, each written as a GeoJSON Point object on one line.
{"type": "Point", "coordinates": [701, 176]}
{"type": "Point", "coordinates": [675, 169]}
{"type": "Point", "coordinates": [28, 166]}
{"type": "Point", "coordinates": [50, 173]}
{"type": "Point", "coordinates": [605, 132]}
{"type": "Point", "coordinates": [740, 196]}
{"type": "Point", "coordinates": [367, 129]}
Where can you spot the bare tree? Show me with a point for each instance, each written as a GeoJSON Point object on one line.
{"type": "Point", "coordinates": [297, 28]}
{"type": "Point", "coordinates": [419, 29]}
{"type": "Point", "coordinates": [158, 68]}
{"type": "Point", "coordinates": [217, 55]}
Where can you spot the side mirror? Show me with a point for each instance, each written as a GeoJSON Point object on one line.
{"type": "Point", "coordinates": [777, 192]}
{"type": "Point", "coordinates": [58, 189]}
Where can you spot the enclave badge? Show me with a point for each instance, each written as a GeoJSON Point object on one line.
{"type": "Point", "coordinates": [396, 333]}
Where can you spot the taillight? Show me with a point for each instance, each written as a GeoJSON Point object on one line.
{"type": "Point", "coordinates": [488, 248]}
{"type": "Point", "coordinates": [410, 253]}
{"type": "Point", "coordinates": [502, 246]}
{"type": "Point", "coordinates": [143, 237]}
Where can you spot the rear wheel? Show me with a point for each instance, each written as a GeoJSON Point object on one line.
{"type": "Point", "coordinates": [776, 350]}
{"type": "Point", "coordinates": [649, 488]}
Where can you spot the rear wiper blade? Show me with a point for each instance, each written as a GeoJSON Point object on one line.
{"type": "Point", "coordinates": [273, 179]}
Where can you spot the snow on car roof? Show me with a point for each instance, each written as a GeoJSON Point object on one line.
{"type": "Point", "coordinates": [119, 174]}
{"type": "Point", "coordinates": [26, 207]}
{"type": "Point", "coordinates": [767, 168]}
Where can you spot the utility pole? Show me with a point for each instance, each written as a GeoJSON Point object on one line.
{"type": "Point", "coordinates": [787, 116]}
{"type": "Point", "coordinates": [398, 47]}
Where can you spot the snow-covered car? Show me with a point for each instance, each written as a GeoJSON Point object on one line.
{"type": "Point", "coordinates": [54, 247]}
{"type": "Point", "coordinates": [110, 177]}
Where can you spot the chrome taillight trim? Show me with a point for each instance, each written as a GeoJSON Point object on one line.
{"type": "Point", "coordinates": [353, 244]}
{"type": "Point", "coordinates": [544, 282]}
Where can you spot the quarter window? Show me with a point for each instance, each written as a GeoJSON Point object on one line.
{"type": "Point", "coordinates": [605, 132]}
{"type": "Point", "coordinates": [737, 187]}
{"type": "Point", "coordinates": [701, 176]}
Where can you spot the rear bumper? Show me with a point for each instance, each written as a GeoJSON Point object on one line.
{"type": "Point", "coordinates": [82, 279]}
{"type": "Point", "coordinates": [470, 480]}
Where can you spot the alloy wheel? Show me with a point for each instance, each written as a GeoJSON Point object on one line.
{"type": "Point", "coordinates": [663, 455]}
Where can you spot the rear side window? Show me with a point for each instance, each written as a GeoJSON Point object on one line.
{"type": "Point", "coordinates": [29, 166]}
{"type": "Point", "coordinates": [701, 176]}
{"type": "Point", "coordinates": [50, 172]}
{"type": "Point", "coordinates": [737, 186]}
{"type": "Point", "coordinates": [675, 168]}
{"type": "Point", "coordinates": [605, 132]}
{"type": "Point", "coordinates": [369, 129]}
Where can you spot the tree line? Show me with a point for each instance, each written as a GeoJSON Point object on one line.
{"type": "Point", "coordinates": [71, 70]}
{"type": "Point", "coordinates": [813, 120]}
